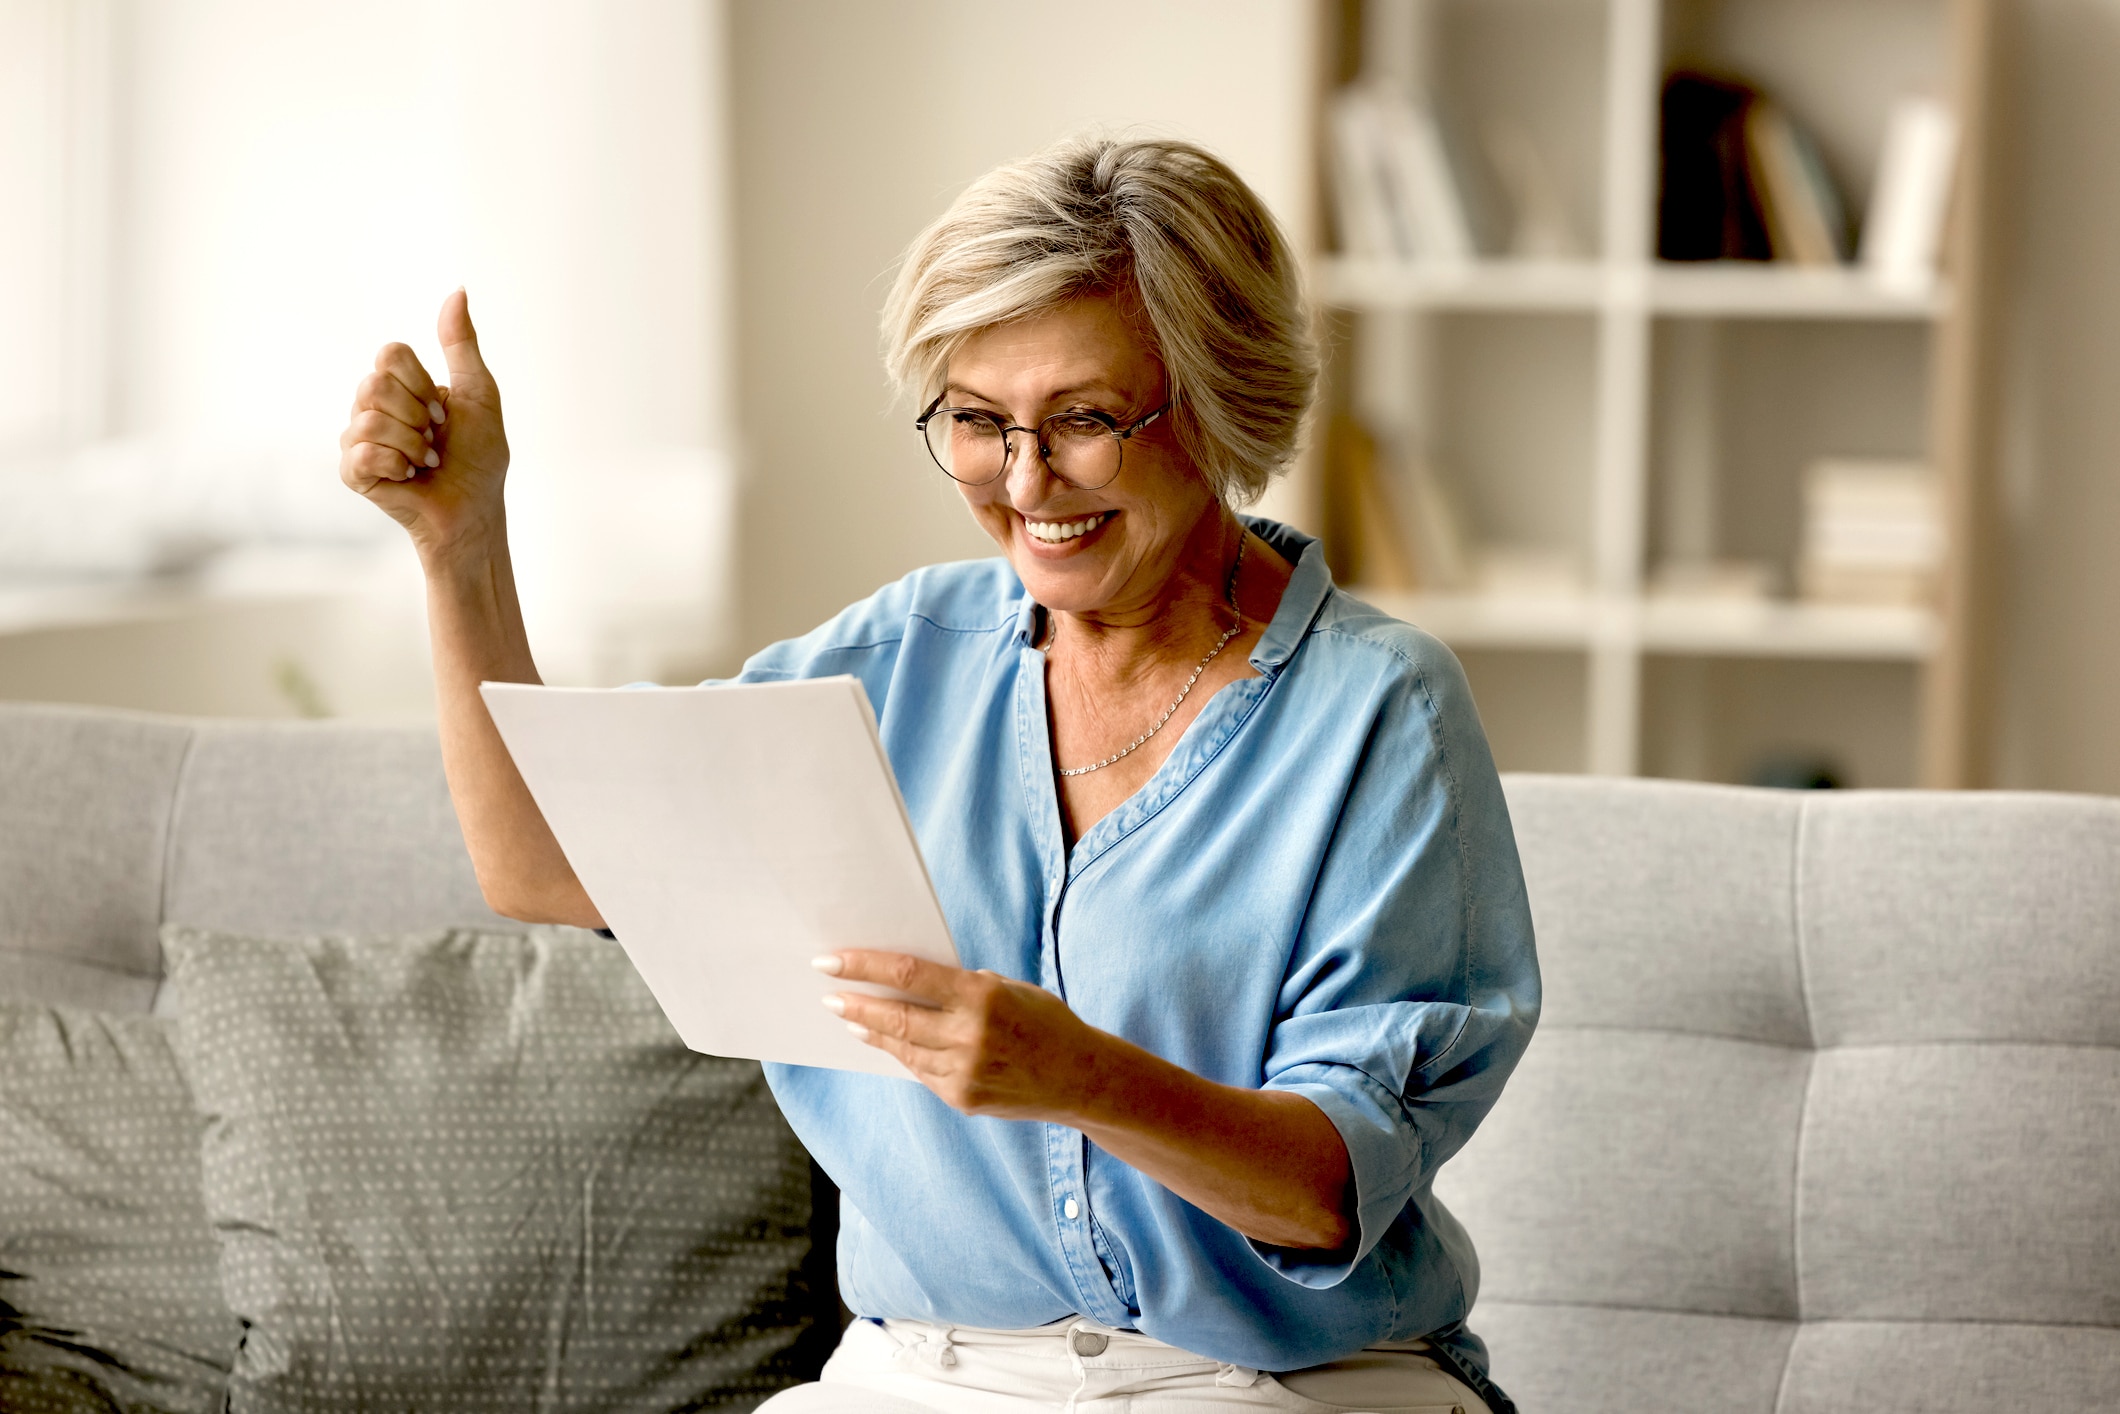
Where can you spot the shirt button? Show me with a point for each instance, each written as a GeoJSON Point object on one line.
{"type": "Point", "coordinates": [1072, 1209]}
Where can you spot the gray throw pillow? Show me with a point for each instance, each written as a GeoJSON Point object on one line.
{"type": "Point", "coordinates": [478, 1170]}
{"type": "Point", "coordinates": [108, 1292]}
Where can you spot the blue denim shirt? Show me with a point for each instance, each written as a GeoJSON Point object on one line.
{"type": "Point", "coordinates": [1317, 892]}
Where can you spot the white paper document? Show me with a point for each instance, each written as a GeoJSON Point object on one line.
{"type": "Point", "coordinates": [728, 835]}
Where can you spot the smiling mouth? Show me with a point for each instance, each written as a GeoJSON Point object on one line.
{"type": "Point", "coordinates": [1054, 532]}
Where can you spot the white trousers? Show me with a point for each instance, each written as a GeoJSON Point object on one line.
{"type": "Point", "coordinates": [912, 1367]}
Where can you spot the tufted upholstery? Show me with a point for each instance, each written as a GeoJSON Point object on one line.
{"type": "Point", "coordinates": [1824, 1110]}
{"type": "Point", "coordinates": [112, 823]}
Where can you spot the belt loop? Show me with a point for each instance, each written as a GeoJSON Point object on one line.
{"type": "Point", "coordinates": [1236, 1377]}
{"type": "Point", "coordinates": [1074, 1357]}
{"type": "Point", "coordinates": [935, 1346]}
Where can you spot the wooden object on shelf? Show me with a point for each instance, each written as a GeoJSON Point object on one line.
{"type": "Point", "coordinates": [1958, 696]}
{"type": "Point", "coordinates": [1362, 526]}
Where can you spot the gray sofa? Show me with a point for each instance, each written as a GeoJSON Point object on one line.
{"type": "Point", "coordinates": [1823, 1114]}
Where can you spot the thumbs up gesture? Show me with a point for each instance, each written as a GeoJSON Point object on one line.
{"type": "Point", "coordinates": [432, 456]}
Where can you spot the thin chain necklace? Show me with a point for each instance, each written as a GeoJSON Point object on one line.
{"type": "Point", "coordinates": [1229, 593]}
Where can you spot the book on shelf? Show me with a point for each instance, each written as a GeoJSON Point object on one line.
{"type": "Point", "coordinates": [1435, 525]}
{"type": "Point", "coordinates": [1805, 220]}
{"type": "Point", "coordinates": [1390, 521]}
{"type": "Point", "coordinates": [1741, 179]}
{"type": "Point", "coordinates": [1360, 208]}
{"type": "Point", "coordinates": [1902, 235]}
{"type": "Point", "coordinates": [1540, 225]}
{"type": "Point", "coordinates": [1396, 192]}
{"type": "Point", "coordinates": [1872, 532]}
{"type": "Point", "coordinates": [1362, 525]}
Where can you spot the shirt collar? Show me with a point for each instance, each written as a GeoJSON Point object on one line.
{"type": "Point", "coordinates": [1300, 602]}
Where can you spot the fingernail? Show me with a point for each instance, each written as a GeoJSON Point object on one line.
{"type": "Point", "coordinates": [861, 1032]}
{"type": "Point", "coordinates": [433, 457]}
{"type": "Point", "coordinates": [428, 433]}
{"type": "Point", "coordinates": [436, 411]}
{"type": "Point", "coordinates": [834, 1005]}
{"type": "Point", "coordinates": [828, 964]}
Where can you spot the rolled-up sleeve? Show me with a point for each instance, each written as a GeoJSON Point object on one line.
{"type": "Point", "coordinates": [1414, 986]}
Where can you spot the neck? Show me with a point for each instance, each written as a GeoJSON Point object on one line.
{"type": "Point", "coordinates": [1180, 618]}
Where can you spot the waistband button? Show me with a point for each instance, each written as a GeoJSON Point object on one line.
{"type": "Point", "coordinates": [1088, 1342]}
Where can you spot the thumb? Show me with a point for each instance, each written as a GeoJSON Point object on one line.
{"type": "Point", "coordinates": [467, 369]}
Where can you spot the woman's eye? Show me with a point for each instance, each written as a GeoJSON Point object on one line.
{"type": "Point", "coordinates": [971, 424]}
{"type": "Point", "coordinates": [1072, 426]}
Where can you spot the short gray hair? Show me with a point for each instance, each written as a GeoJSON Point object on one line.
{"type": "Point", "coordinates": [1163, 223]}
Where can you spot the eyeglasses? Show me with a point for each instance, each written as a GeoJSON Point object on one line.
{"type": "Point", "coordinates": [973, 446]}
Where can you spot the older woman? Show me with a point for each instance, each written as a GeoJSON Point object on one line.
{"type": "Point", "coordinates": [1247, 949]}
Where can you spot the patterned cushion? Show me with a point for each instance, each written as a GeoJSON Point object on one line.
{"type": "Point", "coordinates": [108, 1296]}
{"type": "Point", "coordinates": [476, 1170]}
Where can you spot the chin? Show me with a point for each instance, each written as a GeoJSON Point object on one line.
{"type": "Point", "coordinates": [1077, 584]}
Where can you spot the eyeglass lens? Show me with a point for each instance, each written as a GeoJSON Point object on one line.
{"type": "Point", "coordinates": [969, 444]}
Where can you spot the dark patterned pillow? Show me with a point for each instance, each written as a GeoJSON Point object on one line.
{"type": "Point", "coordinates": [475, 1170]}
{"type": "Point", "coordinates": [108, 1293]}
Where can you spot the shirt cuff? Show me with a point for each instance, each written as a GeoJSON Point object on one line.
{"type": "Point", "coordinates": [1383, 1152]}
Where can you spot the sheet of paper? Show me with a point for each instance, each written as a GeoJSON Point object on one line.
{"type": "Point", "coordinates": [728, 835]}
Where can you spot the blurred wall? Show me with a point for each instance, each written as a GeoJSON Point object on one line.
{"type": "Point", "coordinates": [235, 202]}
{"type": "Point", "coordinates": [300, 183]}
{"type": "Point", "coordinates": [855, 124]}
{"type": "Point", "coordinates": [2059, 153]}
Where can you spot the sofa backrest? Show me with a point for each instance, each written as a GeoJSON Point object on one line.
{"type": "Point", "coordinates": [1823, 1111]}
{"type": "Point", "coordinates": [113, 823]}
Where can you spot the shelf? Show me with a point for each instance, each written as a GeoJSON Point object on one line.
{"type": "Point", "coordinates": [1542, 285]}
{"type": "Point", "coordinates": [1779, 628]}
{"type": "Point", "coordinates": [1704, 627]}
{"type": "Point", "coordinates": [1493, 621]}
{"type": "Point", "coordinates": [1738, 289]}
{"type": "Point", "coordinates": [1725, 289]}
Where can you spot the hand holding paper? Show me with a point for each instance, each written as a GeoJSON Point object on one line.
{"type": "Point", "coordinates": [984, 1043]}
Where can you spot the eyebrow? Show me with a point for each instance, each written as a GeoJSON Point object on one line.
{"type": "Point", "coordinates": [1057, 395]}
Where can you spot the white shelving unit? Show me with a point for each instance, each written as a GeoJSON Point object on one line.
{"type": "Point", "coordinates": [1618, 409]}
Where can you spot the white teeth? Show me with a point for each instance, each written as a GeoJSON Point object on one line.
{"type": "Point", "coordinates": [1052, 532]}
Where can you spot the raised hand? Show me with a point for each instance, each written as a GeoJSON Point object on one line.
{"type": "Point", "coordinates": [432, 457]}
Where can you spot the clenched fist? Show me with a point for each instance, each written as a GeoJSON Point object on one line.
{"type": "Point", "coordinates": [433, 457]}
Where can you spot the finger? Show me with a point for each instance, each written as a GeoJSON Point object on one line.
{"type": "Point", "coordinates": [367, 464]}
{"type": "Point", "coordinates": [915, 976]}
{"type": "Point", "coordinates": [460, 342]}
{"type": "Point", "coordinates": [911, 1057]}
{"type": "Point", "coordinates": [404, 365]}
{"type": "Point", "coordinates": [383, 430]}
{"type": "Point", "coordinates": [919, 1025]}
{"type": "Point", "coordinates": [381, 392]}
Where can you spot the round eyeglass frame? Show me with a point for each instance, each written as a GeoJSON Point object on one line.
{"type": "Point", "coordinates": [1045, 452]}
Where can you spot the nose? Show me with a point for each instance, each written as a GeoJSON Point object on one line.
{"type": "Point", "coordinates": [1030, 479]}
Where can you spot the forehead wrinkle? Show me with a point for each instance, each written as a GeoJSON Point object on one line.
{"type": "Point", "coordinates": [1094, 385]}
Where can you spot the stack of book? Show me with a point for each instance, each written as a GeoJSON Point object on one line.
{"type": "Point", "coordinates": [1872, 532]}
